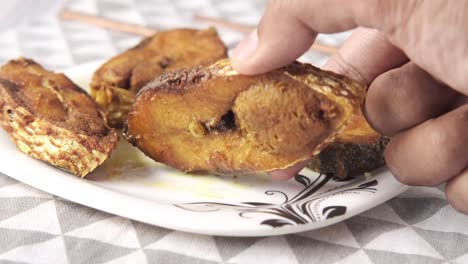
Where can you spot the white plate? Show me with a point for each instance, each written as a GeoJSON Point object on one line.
{"type": "Point", "coordinates": [133, 186]}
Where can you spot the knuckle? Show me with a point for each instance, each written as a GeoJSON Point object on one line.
{"type": "Point", "coordinates": [395, 15]}
{"type": "Point", "coordinates": [377, 7]}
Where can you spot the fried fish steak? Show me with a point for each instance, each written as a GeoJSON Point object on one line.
{"type": "Point", "coordinates": [115, 83]}
{"type": "Point", "coordinates": [214, 120]}
{"type": "Point", "coordinates": [51, 119]}
{"type": "Point", "coordinates": [357, 149]}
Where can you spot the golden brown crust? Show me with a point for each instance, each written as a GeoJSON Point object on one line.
{"type": "Point", "coordinates": [115, 83]}
{"type": "Point", "coordinates": [50, 118]}
{"type": "Point", "coordinates": [211, 119]}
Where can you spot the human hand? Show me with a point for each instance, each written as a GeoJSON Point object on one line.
{"type": "Point", "coordinates": [413, 54]}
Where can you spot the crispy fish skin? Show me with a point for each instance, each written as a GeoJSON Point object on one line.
{"type": "Point", "coordinates": [116, 82]}
{"type": "Point", "coordinates": [214, 120]}
{"type": "Point", "coordinates": [51, 119]}
{"type": "Point", "coordinates": [357, 149]}
{"type": "Point", "coordinates": [346, 159]}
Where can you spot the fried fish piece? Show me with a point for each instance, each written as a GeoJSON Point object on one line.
{"type": "Point", "coordinates": [357, 149]}
{"type": "Point", "coordinates": [212, 119]}
{"type": "Point", "coordinates": [115, 83]}
{"type": "Point", "coordinates": [51, 119]}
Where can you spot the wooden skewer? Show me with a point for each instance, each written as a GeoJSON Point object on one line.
{"type": "Point", "coordinates": [223, 23]}
{"type": "Point", "coordinates": [107, 23]}
{"type": "Point", "coordinates": [247, 29]}
{"type": "Point", "coordinates": [145, 31]}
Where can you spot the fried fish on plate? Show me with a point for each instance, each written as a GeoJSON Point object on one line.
{"type": "Point", "coordinates": [51, 119]}
{"type": "Point", "coordinates": [212, 119]}
{"type": "Point", "coordinates": [115, 83]}
{"type": "Point", "coordinates": [357, 149]}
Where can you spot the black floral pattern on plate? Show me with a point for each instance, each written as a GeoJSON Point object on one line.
{"type": "Point", "coordinates": [297, 210]}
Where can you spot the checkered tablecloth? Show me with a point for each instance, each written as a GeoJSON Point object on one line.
{"type": "Point", "coordinates": [416, 227]}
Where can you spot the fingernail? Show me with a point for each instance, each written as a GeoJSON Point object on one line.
{"type": "Point", "coordinates": [246, 48]}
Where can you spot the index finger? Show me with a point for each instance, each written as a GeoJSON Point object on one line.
{"type": "Point", "coordinates": [289, 27]}
{"type": "Point", "coordinates": [365, 55]}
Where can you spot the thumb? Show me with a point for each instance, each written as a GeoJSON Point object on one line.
{"type": "Point", "coordinates": [286, 31]}
{"type": "Point", "coordinates": [251, 58]}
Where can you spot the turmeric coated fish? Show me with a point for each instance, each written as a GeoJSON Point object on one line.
{"type": "Point", "coordinates": [51, 119]}
{"type": "Point", "coordinates": [116, 82]}
{"type": "Point", "coordinates": [211, 119]}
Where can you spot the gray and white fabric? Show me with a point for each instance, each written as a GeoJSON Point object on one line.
{"type": "Point", "coordinates": [416, 227]}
